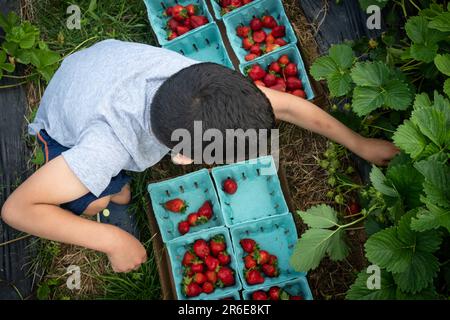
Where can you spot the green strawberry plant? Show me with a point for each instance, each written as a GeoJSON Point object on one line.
{"type": "Point", "coordinates": [406, 207]}
{"type": "Point", "coordinates": [22, 44]}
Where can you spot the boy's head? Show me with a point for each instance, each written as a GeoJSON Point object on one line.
{"type": "Point", "coordinates": [218, 97]}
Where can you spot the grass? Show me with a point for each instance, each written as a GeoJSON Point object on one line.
{"type": "Point", "coordinates": [127, 20]}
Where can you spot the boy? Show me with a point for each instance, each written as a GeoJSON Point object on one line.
{"type": "Point", "coordinates": [113, 107]}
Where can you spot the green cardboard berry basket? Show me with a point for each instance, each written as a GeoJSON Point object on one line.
{"type": "Point", "coordinates": [203, 44]}
{"type": "Point", "coordinates": [259, 191]}
{"type": "Point", "coordinates": [278, 236]}
{"type": "Point", "coordinates": [178, 247]}
{"type": "Point", "coordinates": [296, 287]}
{"type": "Point", "coordinates": [195, 188]}
{"type": "Point", "coordinates": [244, 16]}
{"type": "Point", "coordinates": [158, 21]}
{"type": "Point", "coordinates": [294, 56]}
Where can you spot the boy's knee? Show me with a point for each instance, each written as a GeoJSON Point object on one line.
{"type": "Point", "coordinates": [9, 211]}
{"type": "Point", "coordinates": [97, 206]}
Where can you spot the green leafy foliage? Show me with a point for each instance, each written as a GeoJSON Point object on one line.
{"type": "Point", "coordinates": [335, 68]}
{"type": "Point", "coordinates": [23, 45]}
{"type": "Point", "coordinates": [324, 237]}
{"type": "Point", "coordinates": [360, 291]}
{"type": "Point", "coordinates": [367, 3]}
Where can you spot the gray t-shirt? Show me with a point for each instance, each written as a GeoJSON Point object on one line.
{"type": "Point", "coordinates": [98, 104]}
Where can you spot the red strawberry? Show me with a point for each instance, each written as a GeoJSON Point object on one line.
{"type": "Point", "coordinates": [192, 219]}
{"type": "Point", "coordinates": [279, 87]}
{"type": "Point", "coordinates": [280, 41]}
{"type": "Point", "coordinates": [259, 83]}
{"type": "Point", "coordinates": [192, 289]}
{"type": "Point", "coordinates": [169, 11]}
{"type": "Point", "coordinates": [182, 30]}
{"type": "Point", "coordinates": [171, 35]}
{"type": "Point", "coordinates": [259, 36]}
{"type": "Point", "coordinates": [199, 278]}
{"type": "Point", "coordinates": [244, 2]}
{"type": "Point", "coordinates": [186, 23]}
{"type": "Point", "coordinates": [188, 272]}
{"type": "Point", "coordinates": [269, 270]}
{"type": "Point", "coordinates": [291, 70]}
{"type": "Point", "coordinates": [270, 39]}
{"type": "Point", "coordinates": [211, 276]}
{"type": "Point", "coordinates": [271, 47]}
{"type": "Point", "coordinates": [247, 43]}
{"type": "Point", "coordinates": [198, 21]}
{"type": "Point", "coordinates": [274, 293]}
{"type": "Point", "coordinates": [280, 81]}
{"type": "Point", "coordinates": [183, 227]}
{"type": "Point", "coordinates": [256, 49]}
{"type": "Point", "coordinates": [217, 244]}
{"type": "Point", "coordinates": [225, 276]}
{"type": "Point", "coordinates": [211, 263]}
{"type": "Point", "coordinates": [188, 258]}
{"type": "Point", "coordinates": [224, 258]}
{"type": "Point", "coordinates": [236, 3]}
{"type": "Point", "coordinates": [256, 72]}
{"type": "Point", "coordinates": [259, 295]}
{"type": "Point", "coordinates": [273, 260]}
{"type": "Point", "coordinates": [179, 12]}
{"type": "Point", "coordinates": [279, 31]}
{"type": "Point", "coordinates": [225, 3]}
{"type": "Point", "coordinates": [293, 83]}
{"type": "Point", "coordinates": [191, 9]}
{"type": "Point", "coordinates": [197, 266]}
{"type": "Point", "coordinates": [172, 24]}
{"type": "Point", "coordinates": [353, 208]}
{"type": "Point", "coordinates": [249, 262]}
{"type": "Point", "coordinates": [261, 256]}
{"type": "Point", "coordinates": [253, 276]}
{"type": "Point", "coordinates": [299, 93]}
{"type": "Point", "coordinates": [201, 248]}
{"type": "Point", "coordinates": [270, 79]}
{"type": "Point", "coordinates": [250, 57]}
{"type": "Point", "coordinates": [243, 31]}
{"type": "Point", "coordinates": [295, 298]}
{"type": "Point", "coordinates": [256, 24]}
{"type": "Point", "coordinates": [269, 22]}
{"type": "Point", "coordinates": [283, 60]}
{"type": "Point", "coordinates": [208, 287]}
{"type": "Point", "coordinates": [205, 210]}
{"type": "Point", "coordinates": [176, 205]}
{"type": "Point", "coordinates": [230, 186]}
{"type": "Point", "coordinates": [275, 67]}
{"type": "Point", "coordinates": [249, 245]}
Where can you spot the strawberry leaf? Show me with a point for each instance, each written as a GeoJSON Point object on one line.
{"type": "Point", "coordinates": [441, 22]}
{"type": "Point", "coordinates": [366, 100]}
{"type": "Point", "coordinates": [342, 55]}
{"type": "Point", "coordinates": [360, 291]}
{"type": "Point", "coordinates": [442, 62]}
{"type": "Point", "coordinates": [370, 74]}
{"type": "Point", "coordinates": [323, 67]}
{"type": "Point", "coordinates": [434, 124]}
{"type": "Point", "coordinates": [409, 138]}
{"type": "Point", "coordinates": [321, 216]}
{"type": "Point", "coordinates": [447, 87]}
{"type": "Point", "coordinates": [431, 218]}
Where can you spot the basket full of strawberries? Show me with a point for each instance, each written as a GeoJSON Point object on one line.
{"type": "Point", "coordinates": [174, 19]}
{"type": "Point", "coordinates": [204, 265]}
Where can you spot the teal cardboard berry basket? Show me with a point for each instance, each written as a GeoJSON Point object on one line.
{"type": "Point", "coordinates": [246, 14]}
{"type": "Point", "coordinates": [259, 192]}
{"type": "Point", "coordinates": [218, 9]}
{"type": "Point", "coordinates": [294, 56]}
{"type": "Point", "coordinates": [230, 296]}
{"type": "Point", "coordinates": [278, 236]}
{"type": "Point", "coordinates": [203, 44]}
{"type": "Point", "coordinates": [296, 287]}
{"type": "Point", "coordinates": [195, 188]}
{"type": "Point", "coordinates": [158, 21]}
{"type": "Point", "coordinates": [178, 247]}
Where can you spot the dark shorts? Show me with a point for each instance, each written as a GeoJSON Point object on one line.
{"type": "Point", "coordinates": [52, 149]}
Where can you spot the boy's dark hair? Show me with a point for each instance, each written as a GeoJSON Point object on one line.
{"type": "Point", "coordinates": [219, 97]}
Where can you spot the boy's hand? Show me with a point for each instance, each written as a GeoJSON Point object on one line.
{"type": "Point", "coordinates": [127, 252]}
{"type": "Point", "coordinates": [377, 151]}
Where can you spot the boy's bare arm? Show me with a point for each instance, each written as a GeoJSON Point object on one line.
{"type": "Point", "coordinates": [305, 114]}
{"type": "Point", "coordinates": [33, 208]}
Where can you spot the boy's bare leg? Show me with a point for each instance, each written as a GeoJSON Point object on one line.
{"type": "Point", "coordinates": [34, 208]}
